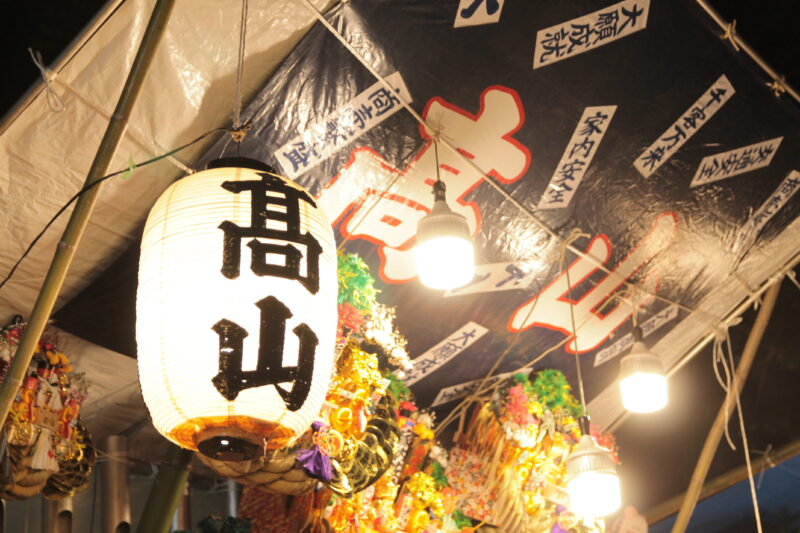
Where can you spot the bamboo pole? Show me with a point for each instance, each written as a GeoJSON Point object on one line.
{"type": "Point", "coordinates": [167, 491]}
{"type": "Point", "coordinates": [715, 434]}
{"type": "Point", "coordinates": [724, 481]}
{"type": "Point", "coordinates": [62, 259]}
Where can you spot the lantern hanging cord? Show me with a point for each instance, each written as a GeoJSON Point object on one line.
{"type": "Point", "coordinates": [91, 186]}
{"type": "Point", "coordinates": [237, 109]}
{"type": "Point", "coordinates": [713, 319]}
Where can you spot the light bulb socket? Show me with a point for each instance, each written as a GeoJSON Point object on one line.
{"type": "Point", "coordinates": [442, 222]}
{"type": "Point", "coordinates": [638, 335]}
{"type": "Point", "coordinates": [587, 457]}
{"type": "Point", "coordinates": [439, 190]}
{"type": "Point", "coordinates": [640, 360]}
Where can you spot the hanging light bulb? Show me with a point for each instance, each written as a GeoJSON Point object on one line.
{"type": "Point", "coordinates": [642, 381]}
{"type": "Point", "coordinates": [445, 254]}
{"type": "Point", "coordinates": [592, 481]}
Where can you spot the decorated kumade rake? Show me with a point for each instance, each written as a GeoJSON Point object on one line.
{"type": "Point", "coordinates": [509, 467]}
{"type": "Point", "coordinates": [46, 448]}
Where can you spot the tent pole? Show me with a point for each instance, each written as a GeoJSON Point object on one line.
{"type": "Point", "coordinates": [724, 481]}
{"type": "Point", "coordinates": [714, 436]}
{"type": "Point", "coordinates": [166, 492]}
{"type": "Point", "coordinates": [83, 208]}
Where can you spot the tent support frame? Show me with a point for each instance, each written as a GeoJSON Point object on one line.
{"type": "Point", "coordinates": [717, 429]}
{"type": "Point", "coordinates": [724, 481]}
{"type": "Point", "coordinates": [62, 259]}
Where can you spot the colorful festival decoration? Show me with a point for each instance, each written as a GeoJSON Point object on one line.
{"type": "Point", "coordinates": [235, 346]}
{"type": "Point", "coordinates": [46, 448]}
{"type": "Point", "coordinates": [509, 466]}
{"type": "Point", "coordinates": [371, 462]}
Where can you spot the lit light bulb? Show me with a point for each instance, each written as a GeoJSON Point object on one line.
{"type": "Point", "coordinates": [593, 495]}
{"type": "Point", "coordinates": [642, 382]}
{"type": "Point", "coordinates": [592, 482]}
{"type": "Point", "coordinates": [445, 254]}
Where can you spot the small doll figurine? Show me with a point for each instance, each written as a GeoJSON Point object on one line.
{"type": "Point", "coordinates": [27, 403]}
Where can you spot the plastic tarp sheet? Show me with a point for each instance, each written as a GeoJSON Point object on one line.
{"type": "Point", "coordinates": [632, 127]}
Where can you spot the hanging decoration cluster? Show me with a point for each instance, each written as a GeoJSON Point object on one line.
{"type": "Point", "coordinates": [372, 454]}
{"type": "Point", "coordinates": [47, 448]}
{"type": "Point", "coordinates": [509, 467]}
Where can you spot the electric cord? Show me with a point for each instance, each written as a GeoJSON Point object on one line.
{"type": "Point", "coordinates": [90, 187]}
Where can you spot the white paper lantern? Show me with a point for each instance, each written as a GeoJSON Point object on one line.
{"type": "Point", "coordinates": [236, 311]}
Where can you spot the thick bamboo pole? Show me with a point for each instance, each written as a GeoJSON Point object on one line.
{"type": "Point", "coordinates": [83, 208]}
{"type": "Point", "coordinates": [714, 436]}
{"type": "Point", "coordinates": [724, 481]}
{"type": "Point", "coordinates": [167, 491]}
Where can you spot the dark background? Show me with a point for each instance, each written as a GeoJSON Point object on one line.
{"type": "Point", "coordinates": [658, 451]}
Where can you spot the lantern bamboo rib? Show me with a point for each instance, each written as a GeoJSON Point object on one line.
{"type": "Point", "coordinates": [83, 209]}
{"type": "Point", "coordinates": [713, 319]}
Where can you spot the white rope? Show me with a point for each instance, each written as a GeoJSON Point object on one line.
{"type": "Point", "coordinates": [488, 179]}
{"type": "Point", "coordinates": [745, 445]}
{"type": "Point", "coordinates": [719, 360]}
{"type": "Point", "coordinates": [54, 101]}
{"type": "Point", "coordinates": [130, 131]}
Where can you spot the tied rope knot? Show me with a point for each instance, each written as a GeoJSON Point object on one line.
{"type": "Point", "coordinates": [778, 86]}
{"type": "Point", "coordinates": [573, 236]}
{"type": "Point", "coordinates": [238, 133]}
{"type": "Point", "coordinates": [54, 101]}
{"type": "Point", "coordinates": [435, 132]}
{"type": "Point", "coordinates": [730, 35]}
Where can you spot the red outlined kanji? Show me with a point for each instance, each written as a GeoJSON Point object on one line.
{"type": "Point", "coordinates": [552, 311]}
{"type": "Point", "coordinates": [357, 199]}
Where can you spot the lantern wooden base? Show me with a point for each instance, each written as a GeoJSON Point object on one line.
{"type": "Point", "coordinates": [246, 430]}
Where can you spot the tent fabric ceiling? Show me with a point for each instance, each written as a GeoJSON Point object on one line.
{"type": "Point", "coordinates": [190, 91]}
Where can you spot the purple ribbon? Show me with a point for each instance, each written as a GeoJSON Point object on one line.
{"type": "Point", "coordinates": [315, 463]}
